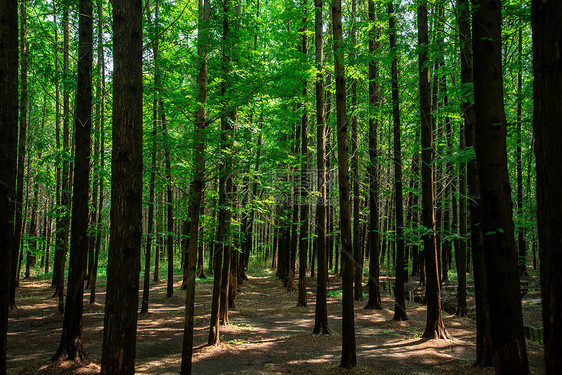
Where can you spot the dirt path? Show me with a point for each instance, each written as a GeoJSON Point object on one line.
{"type": "Point", "coordinates": [268, 334]}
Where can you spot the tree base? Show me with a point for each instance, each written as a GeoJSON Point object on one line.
{"type": "Point", "coordinates": [321, 330]}
{"type": "Point", "coordinates": [371, 305]}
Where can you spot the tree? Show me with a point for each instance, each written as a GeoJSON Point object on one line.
{"type": "Point", "coordinates": [321, 309]}
{"type": "Point", "coordinates": [304, 184]}
{"type": "Point", "coordinates": [506, 321]}
{"type": "Point", "coordinates": [434, 329]}
{"type": "Point", "coordinates": [100, 112]}
{"type": "Point", "coordinates": [483, 343]}
{"type": "Point", "coordinates": [70, 346]}
{"type": "Point", "coordinates": [121, 309]}
{"type": "Point", "coordinates": [401, 272]}
{"type": "Point", "coordinates": [150, 235]}
{"type": "Point", "coordinates": [547, 64]}
{"type": "Point", "coordinates": [349, 356]}
{"type": "Point", "coordinates": [357, 254]}
{"type": "Point", "coordinates": [8, 158]}
{"type": "Point", "coordinates": [374, 301]}
{"type": "Point", "coordinates": [197, 185]}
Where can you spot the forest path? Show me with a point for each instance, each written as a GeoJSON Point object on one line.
{"type": "Point", "coordinates": [267, 334]}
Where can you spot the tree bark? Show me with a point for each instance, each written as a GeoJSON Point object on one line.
{"type": "Point", "coordinates": [519, 170]}
{"type": "Point", "coordinates": [483, 343]}
{"type": "Point", "coordinates": [121, 309]}
{"type": "Point", "coordinates": [434, 329]}
{"type": "Point", "coordinates": [401, 271]}
{"type": "Point", "coordinates": [348, 355]}
{"type": "Point", "coordinates": [70, 346]}
{"type": "Point", "coordinates": [506, 321]}
{"type": "Point", "coordinates": [101, 111]}
{"type": "Point", "coordinates": [197, 187]}
{"type": "Point", "coordinates": [321, 308]}
{"type": "Point", "coordinates": [150, 219]}
{"type": "Point", "coordinates": [8, 159]}
{"type": "Point", "coordinates": [304, 183]}
{"type": "Point", "coordinates": [374, 301]}
{"type": "Point", "coordinates": [547, 65]}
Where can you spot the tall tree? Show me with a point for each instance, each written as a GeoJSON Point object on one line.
{"type": "Point", "coordinates": [547, 66]}
{"type": "Point", "coordinates": [197, 185]}
{"type": "Point", "coordinates": [150, 219]}
{"type": "Point", "coordinates": [321, 309]}
{"type": "Point", "coordinates": [64, 207]}
{"type": "Point", "coordinates": [70, 346]}
{"type": "Point", "coordinates": [357, 253]}
{"type": "Point", "coordinates": [304, 183]}
{"type": "Point", "coordinates": [518, 156]}
{"type": "Point", "coordinates": [348, 355]}
{"type": "Point", "coordinates": [374, 301]}
{"type": "Point", "coordinates": [401, 272]}
{"type": "Point", "coordinates": [8, 158]}
{"type": "Point", "coordinates": [506, 320]}
{"type": "Point", "coordinates": [434, 329]}
{"type": "Point", "coordinates": [121, 309]}
{"type": "Point", "coordinates": [100, 114]}
{"type": "Point", "coordinates": [483, 341]}
{"type": "Point", "coordinates": [21, 155]}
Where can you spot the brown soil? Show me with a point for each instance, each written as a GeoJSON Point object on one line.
{"type": "Point", "coordinates": [268, 334]}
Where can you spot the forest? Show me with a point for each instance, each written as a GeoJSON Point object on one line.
{"type": "Point", "coordinates": [279, 186]}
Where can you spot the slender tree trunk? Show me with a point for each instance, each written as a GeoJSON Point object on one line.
{"type": "Point", "coordinates": [358, 275]}
{"type": "Point", "coordinates": [101, 106]}
{"type": "Point", "coordinates": [64, 208]}
{"type": "Point", "coordinates": [520, 213]}
{"type": "Point", "coordinates": [150, 219]}
{"type": "Point", "coordinates": [21, 155]}
{"type": "Point", "coordinates": [304, 183]}
{"type": "Point", "coordinates": [197, 186]}
{"type": "Point", "coordinates": [483, 341]}
{"type": "Point", "coordinates": [8, 159]}
{"type": "Point", "coordinates": [169, 202]}
{"type": "Point", "coordinates": [70, 346]}
{"type": "Point", "coordinates": [374, 301]}
{"type": "Point", "coordinates": [547, 65]}
{"type": "Point", "coordinates": [434, 329]}
{"type": "Point", "coordinates": [321, 308]}
{"type": "Point", "coordinates": [348, 357]}
{"type": "Point", "coordinates": [506, 321]}
{"type": "Point", "coordinates": [121, 309]}
{"type": "Point", "coordinates": [460, 250]}
{"type": "Point", "coordinates": [401, 271]}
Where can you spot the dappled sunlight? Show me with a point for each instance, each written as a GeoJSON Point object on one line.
{"type": "Point", "coordinates": [267, 333]}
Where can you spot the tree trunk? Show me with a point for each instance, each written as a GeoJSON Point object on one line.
{"type": "Point", "coordinates": [101, 111]}
{"type": "Point", "coordinates": [8, 159]}
{"type": "Point", "coordinates": [348, 355]}
{"type": "Point", "coordinates": [304, 183]}
{"type": "Point", "coordinates": [520, 213]}
{"type": "Point", "coordinates": [197, 187]}
{"type": "Point", "coordinates": [121, 309]}
{"type": "Point", "coordinates": [506, 321]}
{"type": "Point", "coordinates": [401, 271]}
{"type": "Point", "coordinates": [434, 329]}
{"type": "Point", "coordinates": [321, 308]}
{"type": "Point", "coordinates": [70, 346]}
{"type": "Point", "coordinates": [358, 274]}
{"type": "Point", "coordinates": [374, 301]}
{"type": "Point", "coordinates": [483, 343]}
{"type": "Point", "coordinates": [150, 219]}
{"type": "Point", "coordinates": [64, 207]}
{"type": "Point", "coordinates": [21, 155]}
{"type": "Point", "coordinates": [547, 65]}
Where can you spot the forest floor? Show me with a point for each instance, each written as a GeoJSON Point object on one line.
{"type": "Point", "coordinates": [267, 334]}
